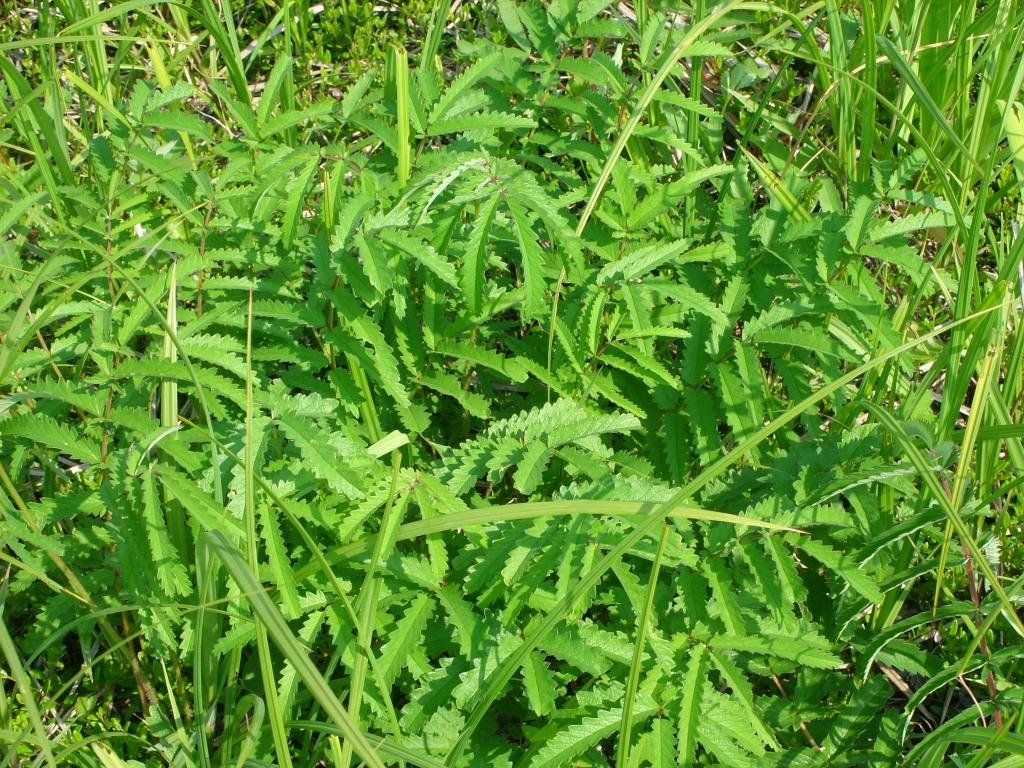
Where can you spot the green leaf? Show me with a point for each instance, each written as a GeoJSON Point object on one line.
{"type": "Point", "coordinates": [280, 564]}
{"type": "Point", "coordinates": [390, 442]}
{"type": "Point", "coordinates": [862, 708]}
{"type": "Point", "coordinates": [531, 468]}
{"type": "Point", "coordinates": [462, 85]}
{"type": "Point", "coordinates": [481, 121]}
{"type": "Point", "coordinates": [476, 255]}
{"type": "Point", "coordinates": [540, 685]}
{"type": "Point", "coordinates": [572, 740]}
{"type": "Point", "coordinates": [295, 203]}
{"type": "Point", "coordinates": [533, 263]}
{"type": "Point", "coordinates": [744, 694]}
{"type": "Point", "coordinates": [198, 504]}
{"type": "Point", "coordinates": [423, 253]}
{"type": "Point", "coordinates": [179, 122]}
{"type": "Point", "coordinates": [845, 566]}
{"type": "Point", "coordinates": [323, 460]}
{"type": "Point", "coordinates": [690, 707]}
{"type": "Point", "coordinates": [170, 571]}
{"type": "Point", "coordinates": [405, 638]}
{"type": "Point", "coordinates": [808, 650]}
{"type": "Point", "coordinates": [46, 431]}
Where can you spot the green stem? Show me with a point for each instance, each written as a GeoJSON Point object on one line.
{"type": "Point", "coordinates": [269, 679]}
{"type": "Point", "coordinates": [366, 603]}
{"type": "Point", "coordinates": [625, 732]}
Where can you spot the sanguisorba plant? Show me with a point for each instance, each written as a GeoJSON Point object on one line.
{"type": "Point", "coordinates": [613, 385]}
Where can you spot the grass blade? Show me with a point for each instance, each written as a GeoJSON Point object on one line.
{"type": "Point", "coordinates": [289, 646]}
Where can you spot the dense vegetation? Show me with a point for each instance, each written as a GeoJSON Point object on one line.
{"type": "Point", "coordinates": [535, 384]}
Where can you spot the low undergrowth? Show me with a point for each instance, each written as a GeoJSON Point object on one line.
{"type": "Point", "coordinates": [589, 384]}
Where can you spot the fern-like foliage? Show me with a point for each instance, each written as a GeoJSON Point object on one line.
{"type": "Point", "coordinates": [345, 337]}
